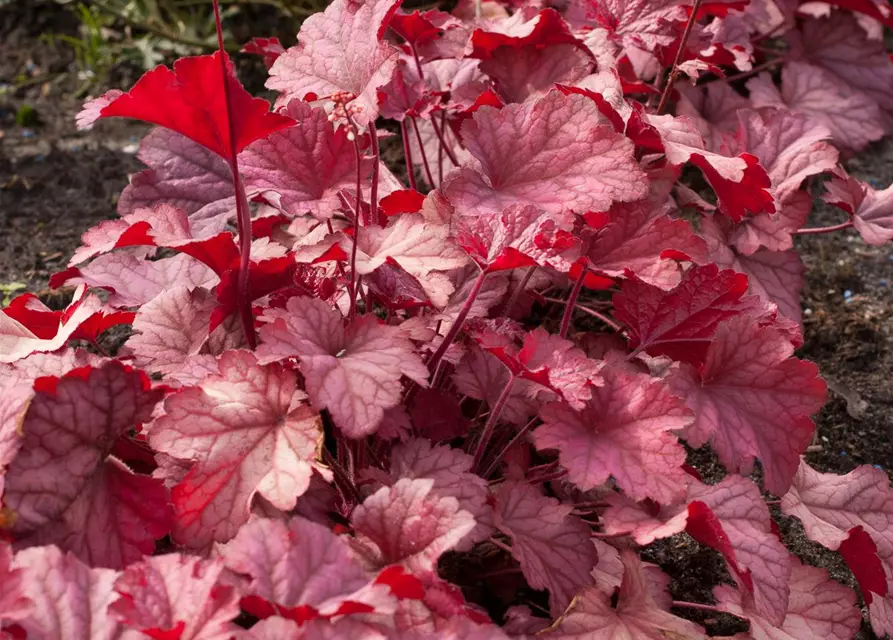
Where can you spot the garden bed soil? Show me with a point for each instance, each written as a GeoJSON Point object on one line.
{"type": "Point", "coordinates": [56, 182]}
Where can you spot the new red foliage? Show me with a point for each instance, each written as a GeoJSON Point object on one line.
{"type": "Point", "coordinates": [414, 412]}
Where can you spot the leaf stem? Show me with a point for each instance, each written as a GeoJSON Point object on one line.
{"type": "Point", "coordinates": [441, 135]}
{"type": "Point", "coordinates": [674, 72]}
{"type": "Point", "coordinates": [341, 478]}
{"type": "Point", "coordinates": [511, 443]}
{"type": "Point", "coordinates": [595, 314]}
{"type": "Point", "coordinates": [490, 425]}
{"type": "Point", "coordinates": [507, 309]}
{"type": "Point", "coordinates": [354, 284]}
{"type": "Point", "coordinates": [547, 477]}
{"type": "Point", "coordinates": [572, 303]}
{"type": "Point", "coordinates": [407, 155]}
{"type": "Point", "coordinates": [817, 230]}
{"type": "Point", "coordinates": [698, 606]}
{"type": "Point", "coordinates": [373, 190]}
{"type": "Point", "coordinates": [457, 324]}
{"type": "Point", "coordinates": [418, 137]}
{"type": "Point", "coordinates": [243, 214]}
{"type": "Point", "coordinates": [768, 64]}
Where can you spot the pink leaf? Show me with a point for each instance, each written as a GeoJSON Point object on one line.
{"type": "Point", "coordinates": [626, 432]}
{"type": "Point", "coordinates": [176, 596]}
{"type": "Point", "coordinates": [192, 100]}
{"type": "Point", "coordinates": [680, 323]}
{"type": "Point", "coordinates": [171, 327]}
{"type": "Point", "coordinates": [132, 281]}
{"type": "Point", "coordinates": [752, 399]}
{"type": "Point", "coordinates": [819, 607]}
{"type": "Point", "coordinates": [246, 431]}
{"type": "Point", "coordinates": [14, 604]}
{"type": "Point", "coordinates": [339, 50]}
{"type": "Point", "coordinates": [791, 147]}
{"type": "Point", "coordinates": [184, 175]}
{"type": "Point", "coordinates": [714, 110]}
{"type": "Point", "coordinates": [528, 72]}
{"type": "Point", "coordinates": [306, 164]}
{"type": "Point", "coordinates": [61, 485]}
{"type": "Point", "coordinates": [483, 376]}
{"type": "Point", "coordinates": [838, 512]}
{"type": "Point", "coordinates": [450, 469]}
{"type": "Point", "coordinates": [406, 95]}
{"type": "Point", "coordinates": [872, 210]}
{"type": "Point", "coordinates": [411, 524]}
{"type": "Point", "coordinates": [636, 615]}
{"type": "Point", "coordinates": [547, 153]}
{"type": "Point", "coordinates": [70, 599]}
{"type": "Point", "coordinates": [774, 276]}
{"type": "Point", "coordinates": [652, 26]}
{"type": "Point", "coordinates": [17, 341]}
{"type": "Point", "coordinates": [295, 564]}
{"type": "Point", "coordinates": [521, 235]}
{"type": "Point", "coordinates": [853, 118]}
{"type": "Point", "coordinates": [354, 372]}
{"type": "Point", "coordinates": [551, 545]}
{"type": "Point", "coordinates": [421, 248]}
{"type": "Point", "coordinates": [732, 518]}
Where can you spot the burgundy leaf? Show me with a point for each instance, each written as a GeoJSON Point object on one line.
{"type": "Point", "coordinates": [751, 399]}
{"type": "Point", "coordinates": [551, 545]}
{"type": "Point", "coordinates": [62, 484]}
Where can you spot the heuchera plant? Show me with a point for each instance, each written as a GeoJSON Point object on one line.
{"type": "Point", "coordinates": [358, 406]}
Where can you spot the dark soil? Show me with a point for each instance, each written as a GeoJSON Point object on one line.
{"type": "Point", "coordinates": [56, 182]}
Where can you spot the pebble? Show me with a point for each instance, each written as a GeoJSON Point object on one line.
{"type": "Point", "coordinates": [27, 133]}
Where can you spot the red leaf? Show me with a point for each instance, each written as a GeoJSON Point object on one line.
{"type": "Point", "coordinates": [682, 322]}
{"type": "Point", "coordinates": [269, 48]}
{"type": "Point", "coordinates": [31, 313]}
{"type": "Point", "coordinates": [402, 201]}
{"type": "Point", "coordinates": [191, 100]}
{"type": "Point", "coordinates": [861, 555]}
